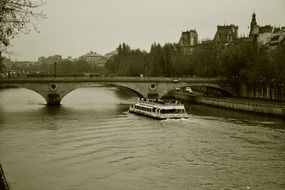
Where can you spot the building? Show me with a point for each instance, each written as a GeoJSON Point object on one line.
{"type": "Point", "coordinates": [226, 34]}
{"type": "Point", "coordinates": [261, 34]}
{"type": "Point", "coordinates": [277, 37]}
{"type": "Point", "coordinates": [267, 35]}
{"type": "Point", "coordinates": [264, 34]}
{"type": "Point", "coordinates": [188, 41]}
{"type": "Point", "coordinates": [205, 44]}
{"type": "Point", "coordinates": [94, 59]}
{"type": "Point", "coordinates": [253, 26]}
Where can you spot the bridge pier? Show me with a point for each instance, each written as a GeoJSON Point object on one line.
{"type": "Point", "coordinates": [153, 96]}
{"type": "Point", "coordinates": [53, 99]}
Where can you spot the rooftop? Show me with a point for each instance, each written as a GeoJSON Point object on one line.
{"type": "Point", "coordinates": [93, 54]}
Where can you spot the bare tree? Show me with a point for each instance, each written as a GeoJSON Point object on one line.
{"type": "Point", "coordinates": [16, 17]}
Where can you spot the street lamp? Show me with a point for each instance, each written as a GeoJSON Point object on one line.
{"type": "Point", "coordinates": [54, 69]}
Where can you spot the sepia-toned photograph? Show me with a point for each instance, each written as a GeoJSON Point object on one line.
{"type": "Point", "coordinates": [142, 95]}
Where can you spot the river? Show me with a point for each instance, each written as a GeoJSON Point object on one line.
{"type": "Point", "coordinates": [92, 142]}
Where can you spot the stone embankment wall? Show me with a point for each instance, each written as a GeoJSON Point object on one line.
{"type": "Point", "coordinates": [257, 106]}
{"type": "Point", "coordinates": [245, 105]}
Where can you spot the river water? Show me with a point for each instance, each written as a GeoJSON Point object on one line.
{"type": "Point", "coordinates": [92, 142]}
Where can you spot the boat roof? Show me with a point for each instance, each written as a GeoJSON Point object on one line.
{"type": "Point", "coordinates": [159, 104]}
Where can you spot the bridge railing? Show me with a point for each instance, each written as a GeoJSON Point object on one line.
{"type": "Point", "coordinates": [108, 79]}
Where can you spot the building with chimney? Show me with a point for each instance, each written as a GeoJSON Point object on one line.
{"type": "Point", "coordinates": [226, 34]}
{"type": "Point", "coordinates": [188, 41]}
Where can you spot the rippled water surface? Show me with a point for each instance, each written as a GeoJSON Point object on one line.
{"type": "Point", "coordinates": [92, 142]}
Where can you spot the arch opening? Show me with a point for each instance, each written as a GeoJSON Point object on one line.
{"type": "Point", "coordinates": [24, 87]}
{"type": "Point", "coordinates": [129, 89]}
{"type": "Point", "coordinates": [69, 90]}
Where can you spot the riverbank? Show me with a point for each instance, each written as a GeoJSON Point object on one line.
{"type": "Point", "coordinates": [256, 106]}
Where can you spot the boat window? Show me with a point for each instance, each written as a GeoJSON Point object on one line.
{"type": "Point", "coordinates": [179, 111]}
{"type": "Point", "coordinates": [144, 108]}
{"type": "Point", "coordinates": [167, 111]}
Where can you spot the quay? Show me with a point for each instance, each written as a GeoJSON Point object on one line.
{"type": "Point", "coordinates": [256, 106]}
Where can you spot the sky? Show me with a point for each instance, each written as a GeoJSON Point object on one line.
{"type": "Point", "coordinates": [76, 27]}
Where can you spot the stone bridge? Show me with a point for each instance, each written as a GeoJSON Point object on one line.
{"type": "Point", "coordinates": [54, 89]}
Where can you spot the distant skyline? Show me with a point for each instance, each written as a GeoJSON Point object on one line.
{"type": "Point", "coordinates": [73, 28]}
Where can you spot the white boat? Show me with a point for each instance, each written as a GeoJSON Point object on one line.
{"type": "Point", "coordinates": [159, 109]}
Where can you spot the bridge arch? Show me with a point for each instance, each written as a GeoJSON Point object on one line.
{"type": "Point", "coordinates": [33, 91]}
{"type": "Point", "coordinates": [66, 91]}
{"type": "Point", "coordinates": [29, 87]}
{"type": "Point", "coordinates": [164, 89]}
{"type": "Point", "coordinates": [132, 88]}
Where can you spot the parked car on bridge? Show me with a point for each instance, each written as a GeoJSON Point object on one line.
{"type": "Point", "coordinates": [189, 90]}
{"type": "Point", "coordinates": [3, 75]}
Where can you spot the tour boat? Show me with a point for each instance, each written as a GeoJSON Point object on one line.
{"type": "Point", "coordinates": [159, 109]}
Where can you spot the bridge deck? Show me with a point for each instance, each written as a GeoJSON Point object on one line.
{"type": "Point", "coordinates": [108, 79]}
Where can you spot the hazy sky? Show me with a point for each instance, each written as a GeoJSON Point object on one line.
{"type": "Point", "coordinates": [75, 27]}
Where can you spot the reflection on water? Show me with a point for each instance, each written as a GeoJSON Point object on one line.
{"type": "Point", "coordinates": [92, 142]}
